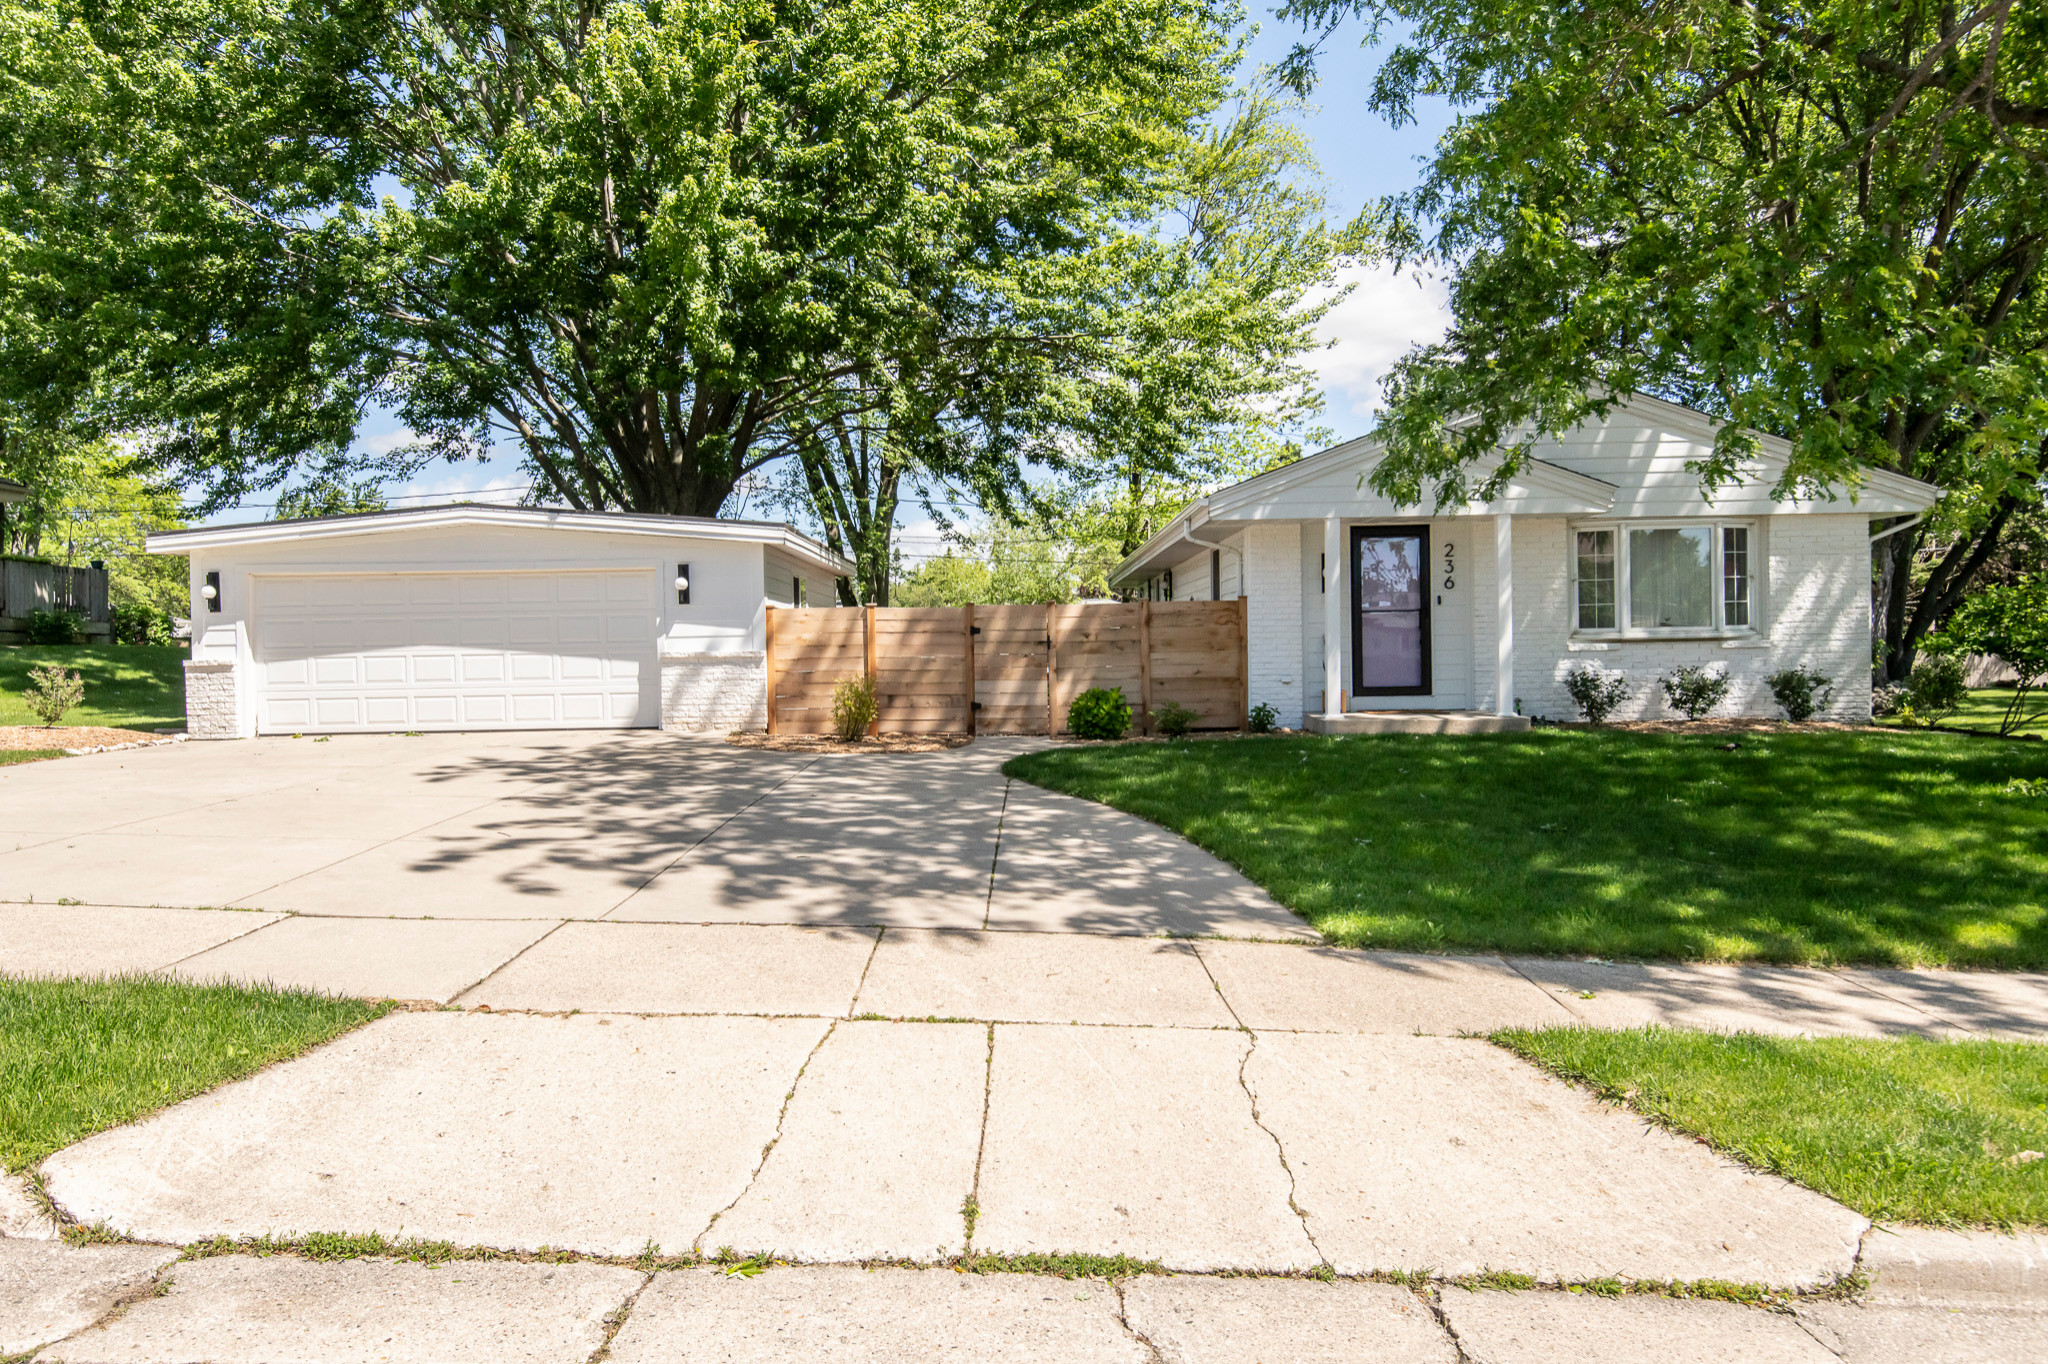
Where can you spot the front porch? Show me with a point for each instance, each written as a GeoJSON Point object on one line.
{"type": "Point", "coordinates": [1415, 722]}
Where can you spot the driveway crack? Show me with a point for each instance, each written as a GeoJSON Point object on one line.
{"type": "Point", "coordinates": [781, 1116]}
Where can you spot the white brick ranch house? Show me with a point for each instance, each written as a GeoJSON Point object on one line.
{"type": "Point", "coordinates": [1604, 550]}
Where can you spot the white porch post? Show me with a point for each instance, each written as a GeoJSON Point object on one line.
{"type": "Point", "coordinates": [1504, 580]}
{"type": "Point", "coordinates": [1335, 576]}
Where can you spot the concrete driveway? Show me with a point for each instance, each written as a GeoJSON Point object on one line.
{"type": "Point", "coordinates": [634, 826]}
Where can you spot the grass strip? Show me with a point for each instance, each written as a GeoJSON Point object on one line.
{"type": "Point", "coordinates": [28, 755]}
{"type": "Point", "coordinates": [1817, 846]}
{"type": "Point", "coordinates": [1900, 1129]}
{"type": "Point", "coordinates": [80, 1056]}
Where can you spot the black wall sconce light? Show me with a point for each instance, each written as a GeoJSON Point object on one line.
{"type": "Point", "coordinates": [682, 584]}
{"type": "Point", "coordinates": [211, 591]}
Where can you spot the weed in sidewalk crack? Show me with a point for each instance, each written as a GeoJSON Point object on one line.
{"type": "Point", "coordinates": [1060, 1265]}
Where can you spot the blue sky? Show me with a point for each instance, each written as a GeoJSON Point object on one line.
{"type": "Point", "coordinates": [1362, 159]}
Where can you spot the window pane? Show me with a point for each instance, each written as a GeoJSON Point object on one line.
{"type": "Point", "coordinates": [1671, 578]}
{"type": "Point", "coordinates": [1735, 575]}
{"type": "Point", "coordinates": [1596, 580]}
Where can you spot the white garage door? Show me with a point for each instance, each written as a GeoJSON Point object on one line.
{"type": "Point", "coordinates": [398, 651]}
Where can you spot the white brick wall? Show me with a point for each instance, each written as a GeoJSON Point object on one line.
{"type": "Point", "coordinates": [210, 693]}
{"type": "Point", "coordinates": [1272, 573]}
{"type": "Point", "coordinates": [1814, 593]}
{"type": "Point", "coordinates": [719, 692]}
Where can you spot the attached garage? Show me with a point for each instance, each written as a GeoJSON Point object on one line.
{"type": "Point", "coordinates": [482, 618]}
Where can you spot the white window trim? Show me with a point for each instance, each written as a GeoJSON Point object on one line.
{"type": "Point", "coordinates": [1626, 629]}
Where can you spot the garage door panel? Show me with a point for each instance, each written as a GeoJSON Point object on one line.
{"type": "Point", "coordinates": [396, 651]}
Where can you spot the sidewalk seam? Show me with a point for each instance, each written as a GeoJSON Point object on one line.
{"type": "Point", "coordinates": [487, 976]}
{"type": "Point", "coordinates": [781, 1116]}
{"type": "Point", "coordinates": [1870, 989]}
{"type": "Point", "coordinates": [1540, 989]}
{"type": "Point", "coordinates": [282, 915]}
{"type": "Point", "coordinates": [376, 844]}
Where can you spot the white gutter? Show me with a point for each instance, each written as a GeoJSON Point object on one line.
{"type": "Point", "coordinates": [1906, 524]}
{"type": "Point", "coordinates": [1187, 533]}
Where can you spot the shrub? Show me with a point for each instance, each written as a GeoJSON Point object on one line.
{"type": "Point", "coordinates": [55, 626]}
{"type": "Point", "coordinates": [1887, 698]}
{"type": "Point", "coordinates": [51, 691]}
{"type": "Point", "coordinates": [1940, 683]}
{"type": "Point", "coordinates": [1801, 692]}
{"type": "Point", "coordinates": [1174, 720]}
{"type": "Point", "coordinates": [1595, 690]}
{"type": "Point", "coordinates": [1263, 717]}
{"type": "Point", "coordinates": [140, 625]}
{"type": "Point", "coordinates": [853, 707]}
{"type": "Point", "coordinates": [1099, 713]}
{"type": "Point", "coordinates": [1695, 689]}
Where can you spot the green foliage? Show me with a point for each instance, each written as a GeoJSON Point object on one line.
{"type": "Point", "coordinates": [2010, 621]}
{"type": "Point", "coordinates": [1005, 563]}
{"type": "Point", "coordinates": [51, 692]}
{"type": "Point", "coordinates": [1901, 1129]}
{"type": "Point", "coordinates": [1695, 689]}
{"type": "Point", "coordinates": [80, 1056]}
{"type": "Point", "coordinates": [1823, 846]}
{"type": "Point", "coordinates": [138, 686]}
{"type": "Point", "coordinates": [1939, 684]}
{"type": "Point", "coordinates": [1746, 209]}
{"type": "Point", "coordinates": [853, 707]}
{"type": "Point", "coordinates": [1262, 718]}
{"type": "Point", "coordinates": [140, 625]}
{"type": "Point", "coordinates": [1801, 692]}
{"type": "Point", "coordinates": [1099, 713]}
{"type": "Point", "coordinates": [55, 625]}
{"type": "Point", "coordinates": [1596, 691]}
{"type": "Point", "coordinates": [1174, 720]}
{"type": "Point", "coordinates": [329, 497]}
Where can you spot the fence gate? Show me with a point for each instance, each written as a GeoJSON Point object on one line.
{"type": "Point", "coordinates": [1007, 669]}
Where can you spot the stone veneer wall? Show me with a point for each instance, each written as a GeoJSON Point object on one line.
{"type": "Point", "coordinates": [720, 692]}
{"type": "Point", "coordinates": [210, 709]}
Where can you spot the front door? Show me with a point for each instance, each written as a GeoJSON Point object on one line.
{"type": "Point", "coordinates": [1390, 620]}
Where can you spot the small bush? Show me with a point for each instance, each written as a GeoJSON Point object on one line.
{"type": "Point", "coordinates": [1174, 720]}
{"type": "Point", "coordinates": [56, 626]}
{"type": "Point", "coordinates": [1596, 691]}
{"type": "Point", "coordinates": [1801, 692]}
{"type": "Point", "coordinates": [1887, 698]}
{"type": "Point", "coordinates": [140, 625]}
{"type": "Point", "coordinates": [1099, 713]}
{"type": "Point", "coordinates": [51, 691]}
{"type": "Point", "coordinates": [1940, 683]}
{"type": "Point", "coordinates": [1695, 689]}
{"type": "Point", "coordinates": [853, 707]}
{"type": "Point", "coordinates": [1263, 717]}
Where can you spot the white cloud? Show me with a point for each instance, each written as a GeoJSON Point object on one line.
{"type": "Point", "coordinates": [1384, 315]}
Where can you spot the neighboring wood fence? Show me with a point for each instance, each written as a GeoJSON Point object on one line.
{"type": "Point", "coordinates": [31, 585]}
{"type": "Point", "coordinates": [1007, 669]}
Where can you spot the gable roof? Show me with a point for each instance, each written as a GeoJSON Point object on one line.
{"type": "Point", "coordinates": [778, 534]}
{"type": "Point", "coordinates": [1632, 463]}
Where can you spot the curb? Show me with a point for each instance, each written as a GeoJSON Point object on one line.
{"type": "Point", "coordinates": [1930, 1267]}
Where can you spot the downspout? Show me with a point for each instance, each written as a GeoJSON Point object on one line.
{"type": "Point", "coordinates": [1187, 534]}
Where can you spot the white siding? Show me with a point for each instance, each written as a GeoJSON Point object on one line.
{"type": "Point", "coordinates": [1272, 574]}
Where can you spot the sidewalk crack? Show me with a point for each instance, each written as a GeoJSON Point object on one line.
{"type": "Point", "coordinates": [615, 1321]}
{"type": "Point", "coordinates": [1432, 1302]}
{"type": "Point", "coordinates": [869, 965]}
{"type": "Point", "coordinates": [970, 1212]}
{"type": "Point", "coordinates": [782, 1116]}
{"type": "Point", "coordinates": [1123, 1319]}
{"type": "Point", "coordinates": [995, 857]}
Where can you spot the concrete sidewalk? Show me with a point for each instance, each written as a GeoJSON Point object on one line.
{"type": "Point", "coordinates": [128, 1304]}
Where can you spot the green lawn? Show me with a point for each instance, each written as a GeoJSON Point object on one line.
{"type": "Point", "coordinates": [77, 1056]}
{"type": "Point", "coordinates": [28, 755]}
{"type": "Point", "coordinates": [1900, 1129]}
{"type": "Point", "coordinates": [1985, 709]}
{"type": "Point", "coordinates": [1815, 846]}
{"type": "Point", "coordinates": [128, 686]}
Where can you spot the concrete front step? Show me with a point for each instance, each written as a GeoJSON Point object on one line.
{"type": "Point", "coordinates": [1417, 722]}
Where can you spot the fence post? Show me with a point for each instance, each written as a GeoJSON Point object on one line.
{"type": "Point", "coordinates": [1052, 672]}
{"type": "Point", "coordinates": [1145, 666]}
{"type": "Point", "coordinates": [970, 667]}
{"type": "Point", "coordinates": [1244, 665]}
{"type": "Point", "coordinates": [868, 636]}
{"type": "Point", "coordinates": [774, 681]}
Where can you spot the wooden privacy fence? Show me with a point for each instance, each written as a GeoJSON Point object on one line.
{"type": "Point", "coordinates": [1007, 669]}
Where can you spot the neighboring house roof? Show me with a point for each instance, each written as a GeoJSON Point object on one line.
{"type": "Point", "coordinates": [1631, 464]}
{"type": "Point", "coordinates": [10, 491]}
{"type": "Point", "coordinates": [781, 536]}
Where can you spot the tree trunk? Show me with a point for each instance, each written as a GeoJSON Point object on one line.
{"type": "Point", "coordinates": [1903, 614]}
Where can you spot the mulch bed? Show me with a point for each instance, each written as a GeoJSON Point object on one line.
{"type": "Point", "coordinates": [76, 738]}
{"type": "Point", "coordinates": [1710, 725]}
{"type": "Point", "coordinates": [827, 743]}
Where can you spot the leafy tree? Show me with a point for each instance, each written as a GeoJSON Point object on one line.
{"type": "Point", "coordinates": [94, 500]}
{"type": "Point", "coordinates": [1006, 563]}
{"type": "Point", "coordinates": [652, 242]}
{"type": "Point", "coordinates": [328, 497]}
{"type": "Point", "coordinates": [1820, 220]}
{"type": "Point", "coordinates": [2010, 621]}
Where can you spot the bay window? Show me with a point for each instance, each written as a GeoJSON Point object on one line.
{"type": "Point", "coordinates": [1680, 578]}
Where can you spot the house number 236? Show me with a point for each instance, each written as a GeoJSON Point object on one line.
{"type": "Point", "coordinates": [1450, 566]}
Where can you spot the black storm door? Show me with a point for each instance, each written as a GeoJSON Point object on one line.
{"type": "Point", "coordinates": [1390, 611]}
